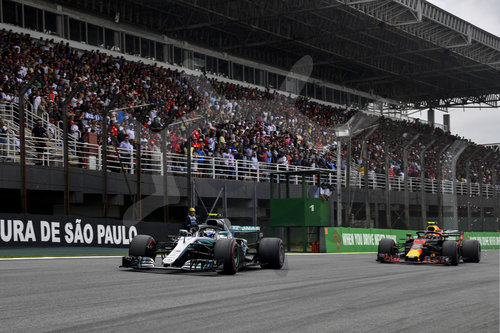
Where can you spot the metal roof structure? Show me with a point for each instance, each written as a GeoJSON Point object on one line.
{"type": "Point", "coordinates": [406, 50]}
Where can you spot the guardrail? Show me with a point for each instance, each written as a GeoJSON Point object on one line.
{"type": "Point", "coordinates": [47, 152]}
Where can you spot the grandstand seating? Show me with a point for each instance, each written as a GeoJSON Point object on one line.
{"type": "Point", "coordinates": [236, 125]}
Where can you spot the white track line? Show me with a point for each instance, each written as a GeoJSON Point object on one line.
{"type": "Point", "coordinates": [50, 258]}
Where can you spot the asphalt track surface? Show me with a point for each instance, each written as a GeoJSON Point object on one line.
{"type": "Point", "coordinates": [314, 293]}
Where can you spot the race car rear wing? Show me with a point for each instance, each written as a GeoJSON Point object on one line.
{"type": "Point", "coordinates": [452, 233]}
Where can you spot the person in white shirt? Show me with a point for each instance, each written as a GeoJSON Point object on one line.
{"type": "Point", "coordinates": [325, 193]}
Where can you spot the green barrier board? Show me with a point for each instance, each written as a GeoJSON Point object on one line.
{"type": "Point", "coordinates": [299, 212]}
{"type": "Point", "coordinates": [488, 240]}
{"type": "Point", "coordinates": [340, 240]}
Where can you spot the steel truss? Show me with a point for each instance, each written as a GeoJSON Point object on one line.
{"type": "Point", "coordinates": [406, 50]}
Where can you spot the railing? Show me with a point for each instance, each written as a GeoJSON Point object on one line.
{"type": "Point", "coordinates": [10, 113]}
{"type": "Point", "coordinates": [47, 152]}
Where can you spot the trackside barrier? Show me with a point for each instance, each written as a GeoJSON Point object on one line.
{"type": "Point", "coordinates": [344, 240]}
{"type": "Point", "coordinates": [24, 231]}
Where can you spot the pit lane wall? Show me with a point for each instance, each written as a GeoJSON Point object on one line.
{"type": "Point", "coordinates": [345, 240]}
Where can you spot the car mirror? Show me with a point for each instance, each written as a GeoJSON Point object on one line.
{"type": "Point", "coordinates": [223, 233]}
{"type": "Point", "coordinates": [183, 232]}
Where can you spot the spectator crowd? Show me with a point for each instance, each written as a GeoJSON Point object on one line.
{"type": "Point", "coordinates": [222, 119]}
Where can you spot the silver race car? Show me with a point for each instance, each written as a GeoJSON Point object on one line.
{"type": "Point", "coordinates": [212, 246]}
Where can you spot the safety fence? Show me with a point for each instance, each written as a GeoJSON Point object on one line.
{"type": "Point", "coordinates": [49, 152]}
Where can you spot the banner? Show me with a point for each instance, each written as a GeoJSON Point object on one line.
{"type": "Point", "coordinates": [488, 240]}
{"type": "Point", "coordinates": [338, 240]}
{"type": "Point", "coordinates": [52, 231]}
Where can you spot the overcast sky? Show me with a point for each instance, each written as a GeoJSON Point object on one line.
{"type": "Point", "coordinates": [481, 126]}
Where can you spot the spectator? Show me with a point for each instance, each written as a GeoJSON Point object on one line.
{"type": "Point", "coordinates": [41, 137]}
{"type": "Point", "coordinates": [126, 151]}
{"type": "Point", "coordinates": [324, 192]}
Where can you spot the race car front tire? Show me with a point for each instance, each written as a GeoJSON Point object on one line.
{"type": "Point", "coordinates": [386, 246]}
{"type": "Point", "coordinates": [450, 250]}
{"type": "Point", "coordinates": [227, 252]}
{"type": "Point", "coordinates": [471, 251]}
{"type": "Point", "coordinates": [271, 253]}
{"type": "Point", "coordinates": [143, 246]}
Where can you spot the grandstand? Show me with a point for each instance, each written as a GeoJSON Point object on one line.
{"type": "Point", "coordinates": [150, 106]}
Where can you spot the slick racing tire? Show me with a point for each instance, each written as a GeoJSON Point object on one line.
{"type": "Point", "coordinates": [450, 249]}
{"type": "Point", "coordinates": [143, 246]}
{"type": "Point", "coordinates": [227, 252]}
{"type": "Point", "coordinates": [471, 251]}
{"type": "Point", "coordinates": [271, 253]}
{"type": "Point", "coordinates": [386, 246]}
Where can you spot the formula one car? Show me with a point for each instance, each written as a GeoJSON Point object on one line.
{"type": "Point", "coordinates": [211, 246]}
{"type": "Point", "coordinates": [431, 246]}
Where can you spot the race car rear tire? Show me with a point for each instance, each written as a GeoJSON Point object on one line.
{"type": "Point", "coordinates": [143, 246]}
{"type": "Point", "coordinates": [471, 251]}
{"type": "Point", "coordinates": [271, 253]}
{"type": "Point", "coordinates": [227, 253]}
{"type": "Point", "coordinates": [450, 249]}
{"type": "Point", "coordinates": [386, 246]}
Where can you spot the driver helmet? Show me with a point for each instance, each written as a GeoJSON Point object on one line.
{"type": "Point", "coordinates": [209, 233]}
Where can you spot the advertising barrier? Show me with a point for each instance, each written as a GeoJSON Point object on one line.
{"type": "Point", "coordinates": [488, 240]}
{"type": "Point", "coordinates": [18, 230]}
{"type": "Point", "coordinates": [340, 240]}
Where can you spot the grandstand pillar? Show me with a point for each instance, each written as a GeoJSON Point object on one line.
{"type": "Point", "coordinates": [422, 183]}
{"type": "Point", "coordinates": [366, 166]}
{"type": "Point", "coordinates": [224, 201]}
{"type": "Point", "coordinates": [104, 166]}
{"type": "Point", "coordinates": [341, 131]}
{"type": "Point", "coordinates": [255, 204]}
{"type": "Point", "coordinates": [348, 201]}
{"type": "Point", "coordinates": [446, 122]}
{"type": "Point", "coordinates": [440, 182]}
{"type": "Point", "coordinates": [22, 143]}
{"type": "Point", "coordinates": [67, 100]}
{"type": "Point", "coordinates": [165, 171]}
{"type": "Point", "coordinates": [339, 182]}
{"type": "Point", "coordinates": [454, 201]}
{"type": "Point", "coordinates": [138, 135]}
{"type": "Point", "coordinates": [388, 217]}
{"type": "Point", "coordinates": [469, 189]}
{"type": "Point", "coordinates": [482, 201]}
{"type": "Point", "coordinates": [496, 196]}
{"type": "Point", "coordinates": [430, 117]}
{"type": "Point", "coordinates": [405, 168]}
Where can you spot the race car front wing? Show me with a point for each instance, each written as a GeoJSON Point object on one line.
{"type": "Point", "coordinates": [385, 257]}
{"type": "Point", "coordinates": [149, 263]}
